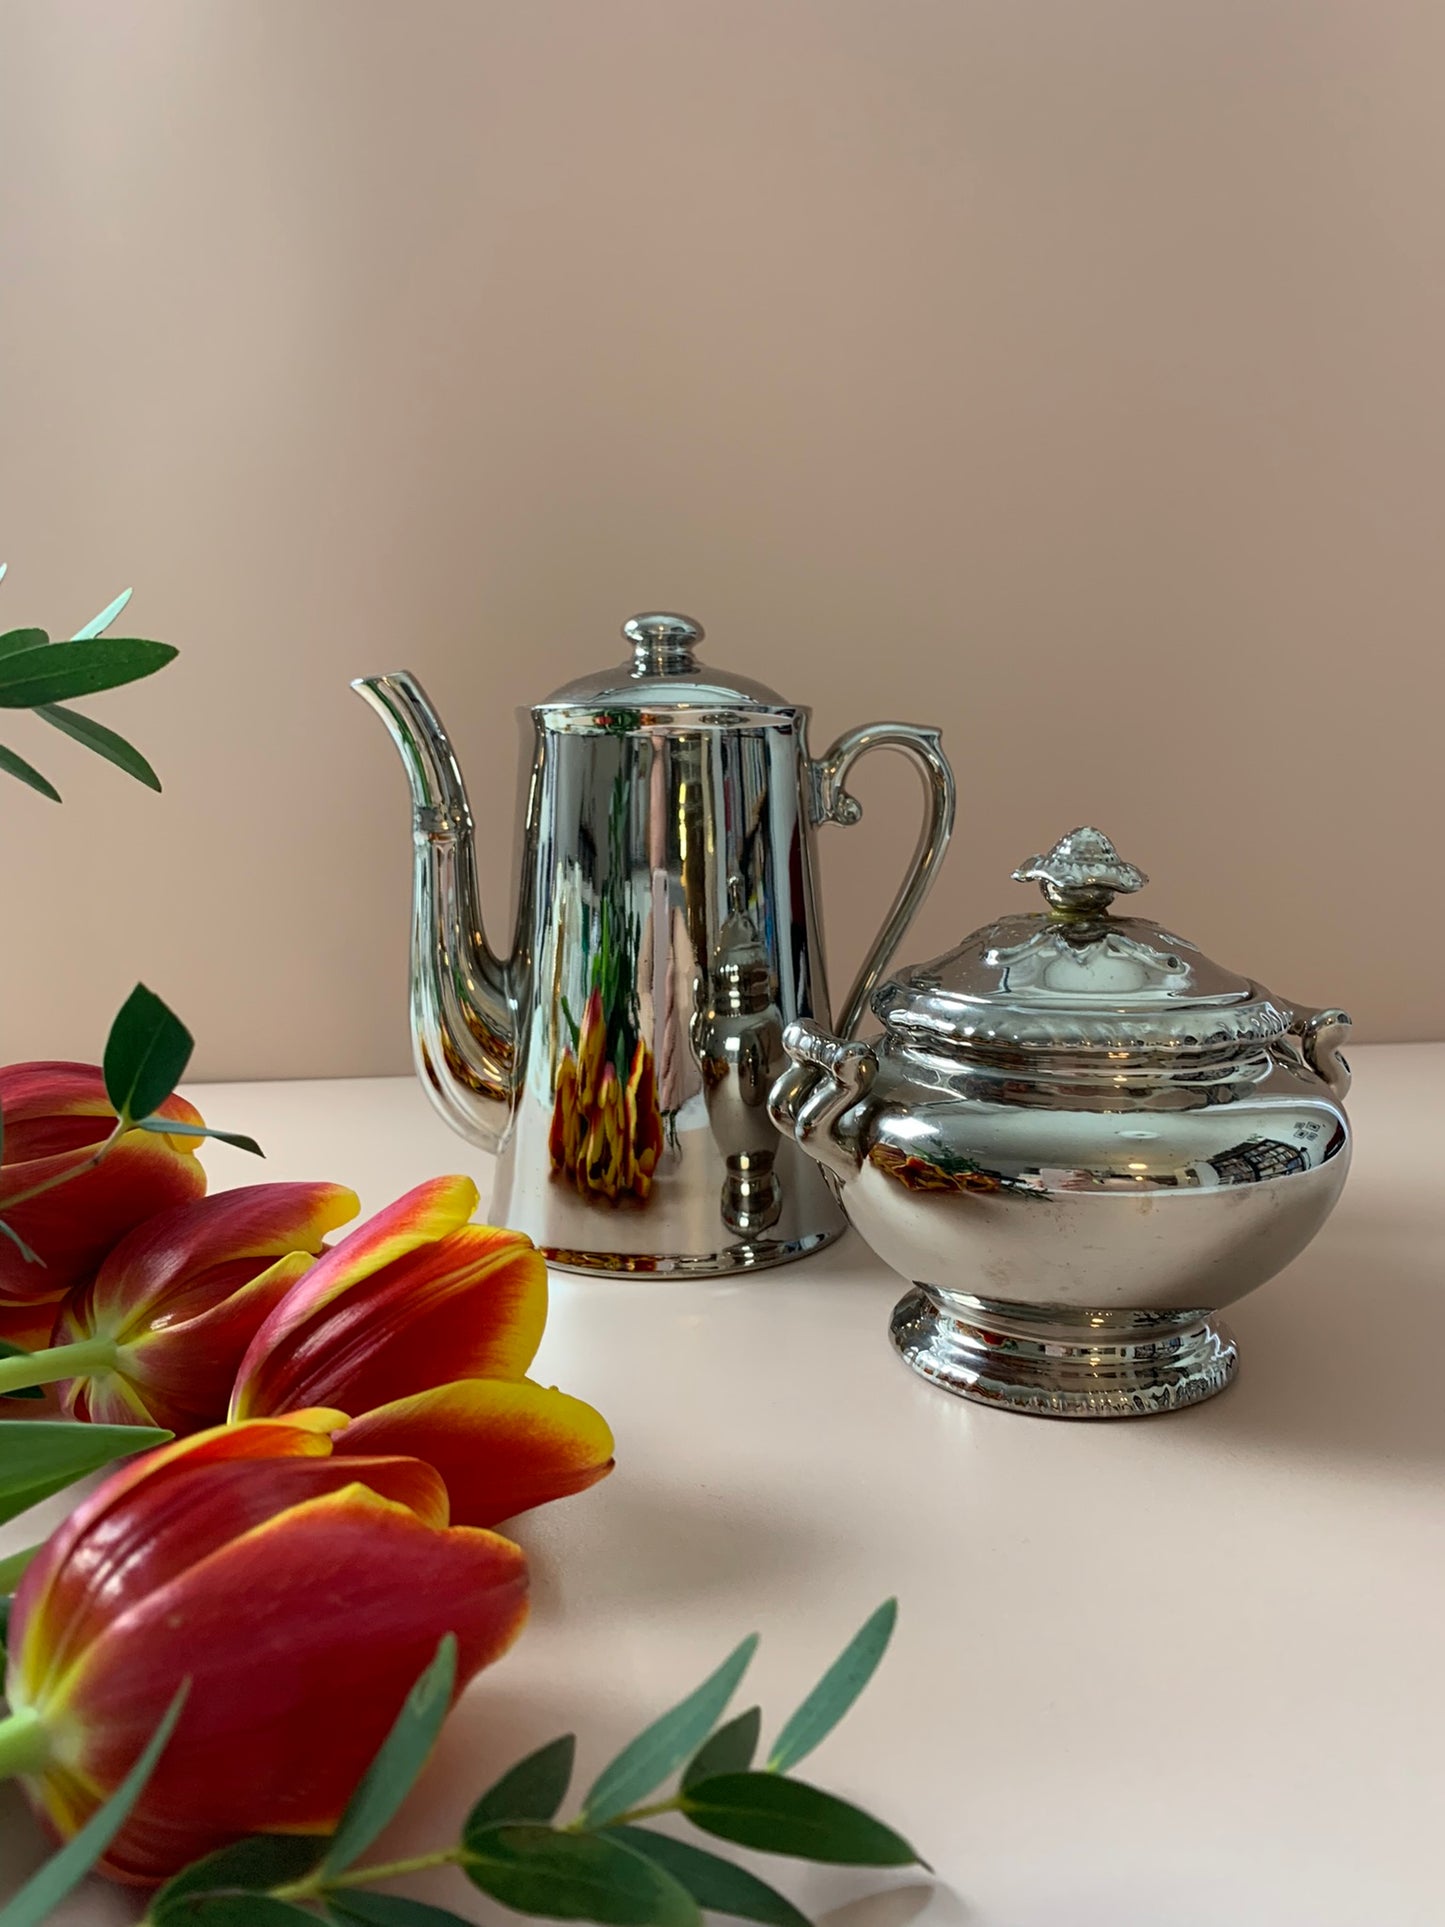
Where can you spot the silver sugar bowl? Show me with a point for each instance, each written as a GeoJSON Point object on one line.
{"type": "Point", "coordinates": [1079, 1138]}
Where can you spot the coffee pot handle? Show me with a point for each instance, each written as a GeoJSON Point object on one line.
{"type": "Point", "coordinates": [833, 804]}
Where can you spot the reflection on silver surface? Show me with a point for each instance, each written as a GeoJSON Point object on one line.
{"type": "Point", "coordinates": [1079, 1163]}
{"type": "Point", "coordinates": [618, 1057]}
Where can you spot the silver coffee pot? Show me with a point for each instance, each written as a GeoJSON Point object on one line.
{"type": "Point", "coordinates": [618, 1056]}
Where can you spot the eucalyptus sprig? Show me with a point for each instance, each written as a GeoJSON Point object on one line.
{"type": "Point", "coordinates": [41, 676]}
{"type": "Point", "coordinates": [606, 1864]}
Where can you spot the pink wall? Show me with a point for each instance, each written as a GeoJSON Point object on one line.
{"type": "Point", "coordinates": [1069, 374]}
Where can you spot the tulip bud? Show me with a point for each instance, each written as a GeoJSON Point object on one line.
{"type": "Point", "coordinates": [421, 1326]}
{"type": "Point", "coordinates": [301, 1593]}
{"type": "Point", "coordinates": [157, 1336]}
{"type": "Point", "coordinates": [54, 1114]}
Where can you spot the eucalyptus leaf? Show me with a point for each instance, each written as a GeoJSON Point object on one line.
{"type": "Point", "coordinates": [14, 765]}
{"type": "Point", "coordinates": [836, 1691]}
{"type": "Point", "coordinates": [39, 1457]}
{"type": "Point", "coordinates": [8, 1350]}
{"type": "Point", "coordinates": [46, 1889]}
{"type": "Point", "coordinates": [106, 617]}
{"type": "Point", "coordinates": [15, 640]}
{"type": "Point", "coordinates": [145, 1055]}
{"type": "Point", "coordinates": [233, 1910]}
{"type": "Point", "coordinates": [532, 1790]}
{"type": "Point", "coordinates": [730, 1749]}
{"type": "Point", "coordinates": [169, 1127]}
{"type": "Point", "coordinates": [718, 1886]}
{"type": "Point", "coordinates": [661, 1748]}
{"type": "Point", "coordinates": [246, 1866]}
{"type": "Point", "coordinates": [105, 742]}
{"type": "Point", "coordinates": [389, 1910]}
{"type": "Point", "coordinates": [400, 1758]}
{"type": "Point", "coordinates": [787, 1816]}
{"type": "Point", "coordinates": [574, 1876]}
{"type": "Point", "coordinates": [56, 672]}
{"type": "Point", "coordinates": [12, 1568]}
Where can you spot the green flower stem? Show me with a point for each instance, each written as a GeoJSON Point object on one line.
{"type": "Point", "coordinates": [316, 1886]}
{"type": "Point", "coordinates": [87, 1163]}
{"type": "Point", "coordinates": [24, 1743]}
{"type": "Point", "coordinates": [80, 1360]}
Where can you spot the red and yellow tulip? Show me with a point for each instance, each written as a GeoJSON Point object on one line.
{"type": "Point", "coordinates": [302, 1593]}
{"type": "Point", "coordinates": [421, 1326]}
{"type": "Point", "coordinates": [157, 1336]}
{"type": "Point", "coordinates": [55, 1117]}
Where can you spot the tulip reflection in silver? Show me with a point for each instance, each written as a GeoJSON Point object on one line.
{"type": "Point", "coordinates": [667, 927]}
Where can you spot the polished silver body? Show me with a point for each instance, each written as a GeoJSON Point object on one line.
{"type": "Point", "coordinates": [617, 1055]}
{"type": "Point", "coordinates": [1079, 1140]}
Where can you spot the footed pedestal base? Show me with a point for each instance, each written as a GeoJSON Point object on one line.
{"type": "Point", "coordinates": [1129, 1368]}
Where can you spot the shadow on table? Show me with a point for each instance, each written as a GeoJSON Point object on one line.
{"type": "Point", "coordinates": [1343, 1353]}
{"type": "Point", "coordinates": [899, 1907]}
{"type": "Point", "coordinates": [682, 1544]}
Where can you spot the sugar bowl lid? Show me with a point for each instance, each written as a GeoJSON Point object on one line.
{"type": "Point", "coordinates": [1073, 978]}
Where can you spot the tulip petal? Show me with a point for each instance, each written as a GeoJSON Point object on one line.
{"type": "Point", "coordinates": [347, 1597]}
{"type": "Point", "coordinates": [53, 1114]}
{"type": "Point", "coordinates": [472, 1304]}
{"type": "Point", "coordinates": [184, 1294]}
{"type": "Point", "coordinates": [52, 1592]}
{"type": "Point", "coordinates": [503, 1446]}
{"type": "Point", "coordinates": [175, 1249]}
{"type": "Point", "coordinates": [29, 1326]}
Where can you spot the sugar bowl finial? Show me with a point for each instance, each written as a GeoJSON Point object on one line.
{"type": "Point", "coordinates": [1082, 874]}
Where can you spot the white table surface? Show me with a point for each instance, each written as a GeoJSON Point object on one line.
{"type": "Point", "coordinates": [1183, 1670]}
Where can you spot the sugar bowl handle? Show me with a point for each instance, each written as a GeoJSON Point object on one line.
{"type": "Point", "coordinates": [1321, 1033]}
{"type": "Point", "coordinates": [828, 1075]}
{"type": "Point", "coordinates": [833, 804]}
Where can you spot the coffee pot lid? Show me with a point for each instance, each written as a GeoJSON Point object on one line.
{"type": "Point", "coordinates": [663, 672]}
{"type": "Point", "coordinates": [1073, 978]}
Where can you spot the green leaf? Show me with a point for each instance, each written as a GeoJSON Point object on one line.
{"type": "Point", "coordinates": [30, 1257]}
{"type": "Point", "coordinates": [401, 1756]}
{"type": "Point", "coordinates": [66, 1869]}
{"type": "Point", "coordinates": [247, 1866]}
{"type": "Point", "coordinates": [59, 671]}
{"type": "Point", "coordinates": [106, 617]}
{"type": "Point", "coordinates": [168, 1127]}
{"type": "Point", "coordinates": [8, 1350]}
{"type": "Point", "coordinates": [718, 1886]}
{"type": "Point", "coordinates": [574, 1876]}
{"type": "Point", "coordinates": [532, 1790]}
{"type": "Point", "coordinates": [12, 1568]}
{"type": "Point", "coordinates": [234, 1910]}
{"type": "Point", "coordinates": [661, 1748]}
{"type": "Point", "coordinates": [14, 640]}
{"type": "Point", "coordinates": [389, 1910]}
{"type": "Point", "coordinates": [730, 1750]}
{"type": "Point", "coordinates": [787, 1816]}
{"type": "Point", "coordinates": [145, 1055]}
{"type": "Point", "coordinates": [14, 765]}
{"type": "Point", "coordinates": [41, 1456]}
{"type": "Point", "coordinates": [836, 1691]}
{"type": "Point", "coordinates": [105, 742]}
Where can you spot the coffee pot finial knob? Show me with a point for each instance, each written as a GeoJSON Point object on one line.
{"type": "Point", "coordinates": [663, 643]}
{"type": "Point", "coordinates": [1081, 874]}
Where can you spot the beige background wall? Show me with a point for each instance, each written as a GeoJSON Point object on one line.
{"type": "Point", "coordinates": [1069, 373]}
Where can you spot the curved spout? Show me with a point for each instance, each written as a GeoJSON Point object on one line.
{"type": "Point", "coordinates": [464, 1029]}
